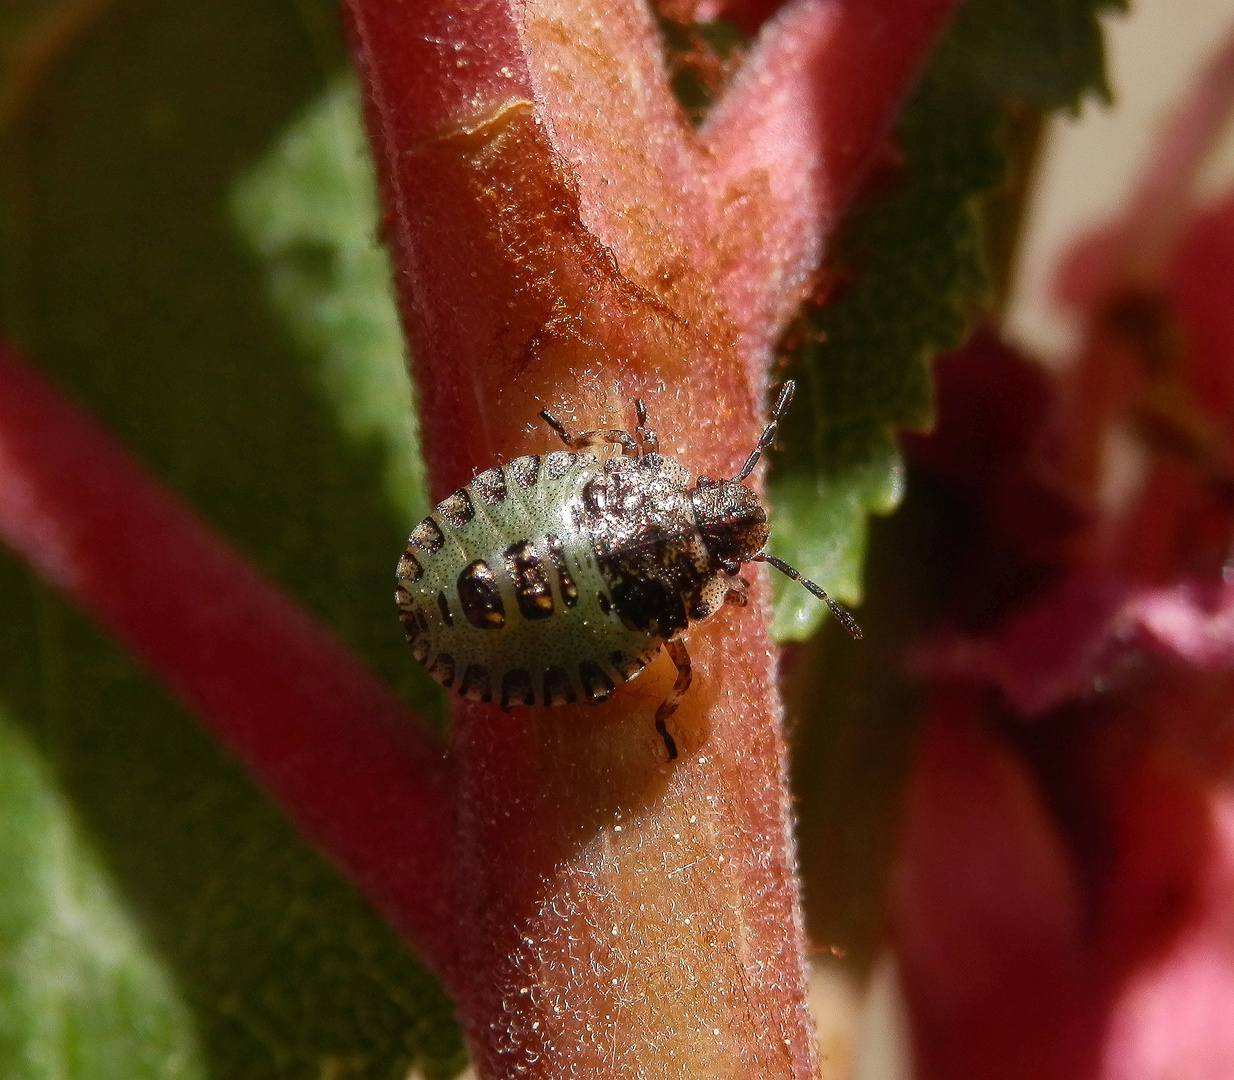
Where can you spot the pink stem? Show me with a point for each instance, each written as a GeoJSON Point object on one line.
{"type": "Point", "coordinates": [795, 135]}
{"type": "Point", "coordinates": [563, 238]}
{"type": "Point", "coordinates": [357, 773]}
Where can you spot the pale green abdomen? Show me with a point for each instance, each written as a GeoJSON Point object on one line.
{"type": "Point", "coordinates": [501, 595]}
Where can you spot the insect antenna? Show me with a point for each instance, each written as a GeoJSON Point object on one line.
{"type": "Point", "coordinates": [838, 610]}
{"type": "Point", "coordinates": [768, 436]}
{"type": "Point", "coordinates": [769, 432]}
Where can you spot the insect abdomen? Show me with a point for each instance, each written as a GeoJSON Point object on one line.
{"type": "Point", "coordinates": [501, 597]}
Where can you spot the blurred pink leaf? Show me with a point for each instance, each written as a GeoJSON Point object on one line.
{"type": "Point", "coordinates": [1064, 900]}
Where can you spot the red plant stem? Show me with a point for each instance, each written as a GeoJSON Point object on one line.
{"type": "Point", "coordinates": [748, 207]}
{"type": "Point", "coordinates": [617, 914]}
{"type": "Point", "coordinates": [561, 237]}
{"type": "Point", "coordinates": [796, 133]}
{"type": "Point", "coordinates": [357, 773]}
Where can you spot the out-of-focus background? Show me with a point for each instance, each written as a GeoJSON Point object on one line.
{"type": "Point", "coordinates": [1090, 161]}
{"type": "Point", "coordinates": [1087, 167]}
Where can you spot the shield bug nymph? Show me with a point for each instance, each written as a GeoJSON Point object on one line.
{"type": "Point", "coordinates": [553, 578]}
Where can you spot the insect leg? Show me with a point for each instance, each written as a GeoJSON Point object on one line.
{"type": "Point", "coordinates": [736, 594]}
{"type": "Point", "coordinates": [680, 656]}
{"type": "Point", "coordinates": [587, 439]}
{"type": "Point", "coordinates": [647, 440]}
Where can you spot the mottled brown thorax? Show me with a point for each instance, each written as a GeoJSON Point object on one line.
{"type": "Point", "coordinates": [641, 522]}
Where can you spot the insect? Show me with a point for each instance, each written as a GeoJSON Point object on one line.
{"type": "Point", "coordinates": [553, 578]}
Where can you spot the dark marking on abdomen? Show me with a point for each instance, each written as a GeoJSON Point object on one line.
{"type": "Point", "coordinates": [557, 688]}
{"type": "Point", "coordinates": [415, 625]}
{"type": "Point", "coordinates": [442, 669]}
{"type": "Point", "coordinates": [531, 588]}
{"type": "Point", "coordinates": [427, 536]}
{"type": "Point", "coordinates": [482, 603]}
{"type": "Point", "coordinates": [443, 605]}
{"type": "Point", "coordinates": [409, 568]}
{"type": "Point", "coordinates": [557, 554]}
{"type": "Point", "coordinates": [457, 508]}
{"type": "Point", "coordinates": [475, 685]}
{"type": "Point", "coordinates": [516, 688]}
{"type": "Point", "coordinates": [558, 463]}
{"type": "Point", "coordinates": [525, 470]}
{"type": "Point", "coordinates": [596, 684]}
{"type": "Point", "coordinates": [626, 667]}
{"type": "Point", "coordinates": [490, 486]}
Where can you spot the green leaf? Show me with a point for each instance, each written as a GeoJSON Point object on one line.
{"type": "Point", "coordinates": [911, 271]}
{"type": "Point", "coordinates": [284, 970]}
{"type": "Point", "coordinates": [814, 518]}
{"type": "Point", "coordinates": [1047, 54]}
{"type": "Point", "coordinates": [309, 210]}
{"type": "Point", "coordinates": [123, 277]}
{"type": "Point", "coordinates": [82, 994]}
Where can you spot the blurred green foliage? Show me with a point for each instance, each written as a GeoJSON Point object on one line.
{"type": "Point", "coordinates": [309, 211]}
{"type": "Point", "coordinates": [81, 993]}
{"type": "Point", "coordinates": [122, 273]}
